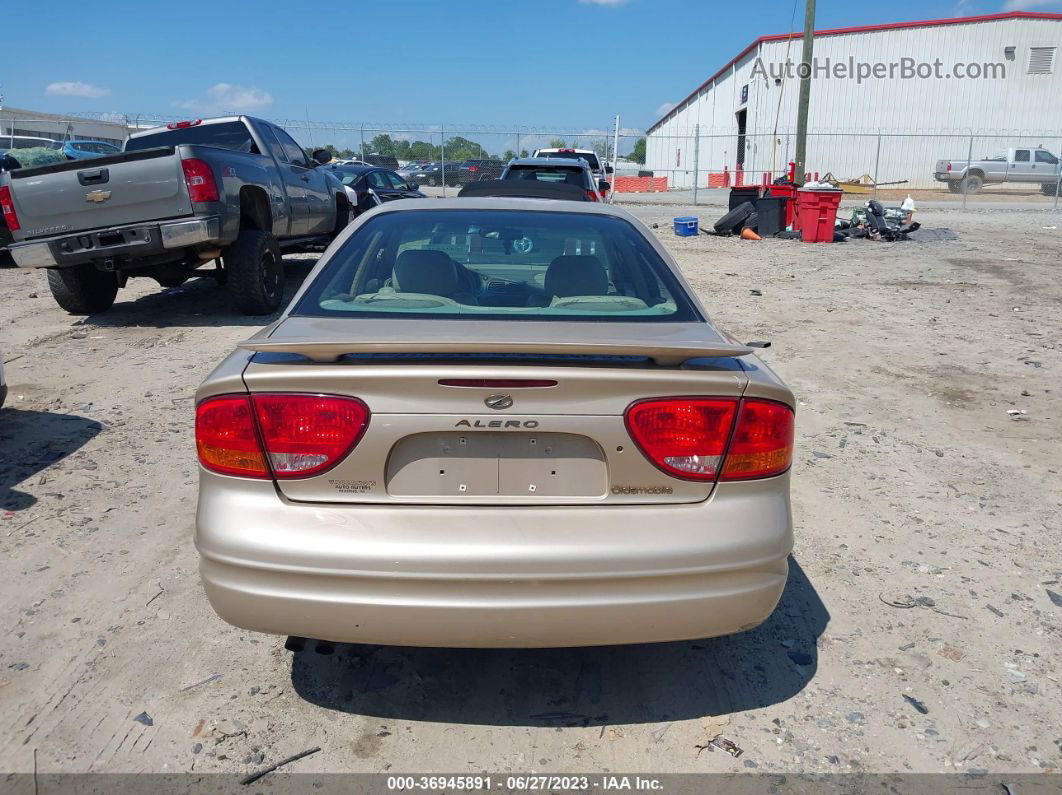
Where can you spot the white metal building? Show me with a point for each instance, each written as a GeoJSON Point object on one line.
{"type": "Point", "coordinates": [995, 78]}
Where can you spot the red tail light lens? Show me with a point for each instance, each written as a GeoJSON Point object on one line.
{"type": "Point", "coordinates": [226, 438]}
{"type": "Point", "coordinates": [307, 434]}
{"type": "Point", "coordinates": [706, 438]}
{"type": "Point", "coordinates": [763, 441]}
{"type": "Point", "coordinates": [685, 437]}
{"type": "Point", "coordinates": [8, 208]}
{"type": "Point", "coordinates": [277, 435]}
{"type": "Point", "coordinates": [592, 195]}
{"type": "Point", "coordinates": [180, 125]}
{"type": "Point", "coordinates": [200, 180]}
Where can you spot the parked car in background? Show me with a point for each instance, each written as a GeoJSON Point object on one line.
{"type": "Point", "coordinates": [383, 161]}
{"type": "Point", "coordinates": [84, 150]}
{"type": "Point", "coordinates": [233, 190]}
{"type": "Point", "coordinates": [367, 184]}
{"type": "Point", "coordinates": [450, 440]}
{"type": "Point", "coordinates": [599, 170]}
{"type": "Point", "coordinates": [1029, 165]}
{"type": "Point", "coordinates": [9, 142]}
{"type": "Point", "coordinates": [476, 170]}
{"type": "Point", "coordinates": [432, 174]}
{"type": "Point", "coordinates": [556, 170]}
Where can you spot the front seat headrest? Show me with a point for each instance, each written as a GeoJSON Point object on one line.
{"type": "Point", "coordinates": [425, 271]}
{"type": "Point", "coordinates": [576, 274]}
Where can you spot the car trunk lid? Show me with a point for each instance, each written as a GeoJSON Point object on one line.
{"type": "Point", "coordinates": [523, 416]}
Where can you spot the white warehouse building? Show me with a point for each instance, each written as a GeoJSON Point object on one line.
{"type": "Point", "coordinates": [887, 101]}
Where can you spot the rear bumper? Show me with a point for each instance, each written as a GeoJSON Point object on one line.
{"type": "Point", "coordinates": [130, 243]}
{"type": "Point", "coordinates": [491, 576]}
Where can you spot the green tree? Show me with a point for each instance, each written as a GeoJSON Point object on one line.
{"type": "Point", "coordinates": [523, 153]}
{"type": "Point", "coordinates": [509, 155]}
{"type": "Point", "coordinates": [637, 154]}
{"type": "Point", "coordinates": [558, 143]}
{"type": "Point", "coordinates": [381, 144]}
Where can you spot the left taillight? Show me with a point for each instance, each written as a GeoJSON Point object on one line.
{"type": "Point", "coordinates": [278, 435]}
{"type": "Point", "coordinates": [200, 180]}
{"type": "Point", "coordinates": [592, 195]}
{"type": "Point", "coordinates": [8, 207]}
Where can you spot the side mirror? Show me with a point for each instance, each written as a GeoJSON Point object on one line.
{"type": "Point", "coordinates": [604, 186]}
{"type": "Point", "coordinates": [610, 170]}
{"type": "Point", "coordinates": [322, 156]}
{"type": "Point", "coordinates": [374, 199]}
{"type": "Point", "coordinates": [412, 185]}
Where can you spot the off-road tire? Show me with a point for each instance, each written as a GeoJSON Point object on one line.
{"type": "Point", "coordinates": [343, 217]}
{"type": "Point", "coordinates": [255, 273]}
{"type": "Point", "coordinates": [955, 187]}
{"type": "Point", "coordinates": [752, 222]}
{"type": "Point", "coordinates": [1048, 188]}
{"type": "Point", "coordinates": [734, 219]}
{"type": "Point", "coordinates": [82, 289]}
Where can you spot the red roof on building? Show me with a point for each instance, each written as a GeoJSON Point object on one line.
{"type": "Point", "coordinates": [924, 23]}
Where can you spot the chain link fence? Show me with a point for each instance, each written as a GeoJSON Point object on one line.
{"type": "Point", "coordinates": [694, 167]}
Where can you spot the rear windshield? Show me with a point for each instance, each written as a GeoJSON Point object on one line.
{"type": "Point", "coordinates": [495, 264]}
{"type": "Point", "coordinates": [572, 175]}
{"type": "Point", "coordinates": [232, 135]}
{"type": "Point", "coordinates": [589, 157]}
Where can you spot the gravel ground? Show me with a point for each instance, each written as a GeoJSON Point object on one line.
{"type": "Point", "coordinates": [919, 632]}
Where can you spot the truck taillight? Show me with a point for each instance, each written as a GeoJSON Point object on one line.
{"type": "Point", "coordinates": [277, 435]}
{"type": "Point", "coordinates": [592, 195]}
{"type": "Point", "coordinates": [696, 438]}
{"type": "Point", "coordinates": [200, 180]}
{"type": "Point", "coordinates": [7, 205]}
{"type": "Point", "coordinates": [180, 125]}
{"type": "Point", "coordinates": [949, 166]}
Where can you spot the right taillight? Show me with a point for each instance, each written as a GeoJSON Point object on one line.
{"type": "Point", "coordinates": [708, 438]}
{"type": "Point", "coordinates": [763, 441]}
{"type": "Point", "coordinates": [8, 207]}
{"type": "Point", "coordinates": [200, 180]}
{"type": "Point", "coordinates": [277, 435]}
{"type": "Point", "coordinates": [591, 195]}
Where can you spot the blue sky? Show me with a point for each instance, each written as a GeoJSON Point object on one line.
{"type": "Point", "coordinates": [564, 64]}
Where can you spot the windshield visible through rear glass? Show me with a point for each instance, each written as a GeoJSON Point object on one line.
{"type": "Point", "coordinates": [493, 264]}
{"type": "Point", "coordinates": [589, 157]}
{"type": "Point", "coordinates": [571, 175]}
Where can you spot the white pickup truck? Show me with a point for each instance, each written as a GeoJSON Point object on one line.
{"type": "Point", "coordinates": [1029, 164]}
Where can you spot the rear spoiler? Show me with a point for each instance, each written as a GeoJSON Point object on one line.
{"type": "Point", "coordinates": [332, 350]}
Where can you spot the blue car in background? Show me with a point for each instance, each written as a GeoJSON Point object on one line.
{"type": "Point", "coordinates": [82, 150]}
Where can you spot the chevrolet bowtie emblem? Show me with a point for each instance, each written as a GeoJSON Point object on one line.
{"type": "Point", "coordinates": [97, 196]}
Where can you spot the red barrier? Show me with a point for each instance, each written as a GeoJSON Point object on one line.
{"type": "Point", "coordinates": [640, 184]}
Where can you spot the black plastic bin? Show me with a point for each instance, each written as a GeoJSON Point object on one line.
{"type": "Point", "coordinates": [739, 196]}
{"type": "Point", "coordinates": [771, 211]}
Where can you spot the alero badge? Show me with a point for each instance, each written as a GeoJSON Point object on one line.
{"type": "Point", "coordinates": [97, 196]}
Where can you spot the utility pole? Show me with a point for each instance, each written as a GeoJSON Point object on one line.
{"type": "Point", "coordinates": [805, 91]}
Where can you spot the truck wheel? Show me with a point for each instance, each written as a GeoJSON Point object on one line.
{"type": "Point", "coordinates": [955, 187]}
{"type": "Point", "coordinates": [255, 272]}
{"type": "Point", "coordinates": [81, 289]}
{"type": "Point", "coordinates": [1048, 189]}
{"type": "Point", "coordinates": [342, 219]}
{"type": "Point", "coordinates": [972, 184]}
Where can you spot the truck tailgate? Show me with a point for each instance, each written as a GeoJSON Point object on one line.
{"type": "Point", "coordinates": [104, 192]}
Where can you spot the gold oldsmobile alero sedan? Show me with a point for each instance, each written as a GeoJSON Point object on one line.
{"type": "Point", "coordinates": [494, 422]}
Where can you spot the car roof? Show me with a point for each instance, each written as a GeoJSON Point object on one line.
{"type": "Point", "coordinates": [498, 203]}
{"type": "Point", "coordinates": [352, 168]}
{"type": "Point", "coordinates": [549, 162]}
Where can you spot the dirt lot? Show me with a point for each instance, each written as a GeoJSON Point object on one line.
{"type": "Point", "coordinates": [913, 486]}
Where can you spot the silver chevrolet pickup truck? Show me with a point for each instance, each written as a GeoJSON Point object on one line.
{"type": "Point", "coordinates": [235, 190]}
{"type": "Point", "coordinates": [1030, 164]}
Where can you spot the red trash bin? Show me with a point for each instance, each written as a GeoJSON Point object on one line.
{"type": "Point", "coordinates": [817, 213]}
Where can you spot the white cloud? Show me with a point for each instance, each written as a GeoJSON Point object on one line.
{"type": "Point", "coordinates": [665, 109]}
{"type": "Point", "coordinates": [227, 97]}
{"type": "Point", "coordinates": [603, 2]}
{"type": "Point", "coordinates": [75, 88]}
{"type": "Point", "coordinates": [1028, 5]}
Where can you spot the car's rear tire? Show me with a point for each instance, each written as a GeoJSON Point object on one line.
{"type": "Point", "coordinates": [342, 218]}
{"type": "Point", "coordinates": [255, 273]}
{"type": "Point", "coordinates": [432, 182]}
{"type": "Point", "coordinates": [955, 187]}
{"type": "Point", "coordinates": [1048, 188]}
{"type": "Point", "coordinates": [972, 184]}
{"type": "Point", "coordinates": [82, 289]}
